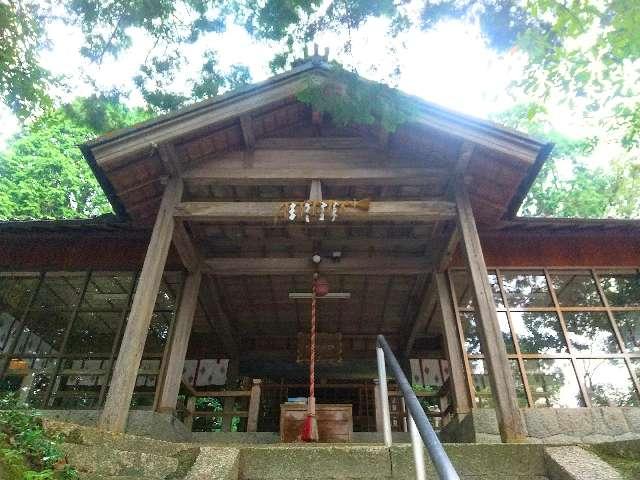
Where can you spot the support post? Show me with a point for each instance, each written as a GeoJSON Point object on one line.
{"type": "Point", "coordinates": [227, 413]}
{"type": "Point", "coordinates": [384, 397]}
{"type": "Point", "coordinates": [510, 423]}
{"type": "Point", "coordinates": [254, 406]}
{"type": "Point", "coordinates": [455, 355]}
{"type": "Point", "coordinates": [170, 383]}
{"type": "Point", "coordinates": [416, 446]}
{"type": "Point", "coordinates": [190, 409]}
{"type": "Point", "coordinates": [116, 408]}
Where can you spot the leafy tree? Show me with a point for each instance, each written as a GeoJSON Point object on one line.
{"type": "Point", "coordinates": [585, 50]}
{"type": "Point", "coordinates": [585, 192]}
{"type": "Point", "coordinates": [43, 173]}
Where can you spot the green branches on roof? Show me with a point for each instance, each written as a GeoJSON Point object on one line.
{"type": "Point", "coordinates": [350, 100]}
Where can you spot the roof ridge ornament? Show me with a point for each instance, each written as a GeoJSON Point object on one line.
{"type": "Point", "coordinates": [315, 59]}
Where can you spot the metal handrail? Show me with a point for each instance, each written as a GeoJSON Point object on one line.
{"type": "Point", "coordinates": [419, 425]}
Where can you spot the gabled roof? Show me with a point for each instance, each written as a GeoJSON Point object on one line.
{"type": "Point", "coordinates": [503, 165]}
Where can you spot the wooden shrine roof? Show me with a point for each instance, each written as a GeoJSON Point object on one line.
{"type": "Point", "coordinates": [501, 165]}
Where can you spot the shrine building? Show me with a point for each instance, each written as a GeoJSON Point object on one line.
{"type": "Point", "coordinates": [190, 306]}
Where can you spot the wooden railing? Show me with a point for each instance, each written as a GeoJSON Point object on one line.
{"type": "Point", "coordinates": [228, 412]}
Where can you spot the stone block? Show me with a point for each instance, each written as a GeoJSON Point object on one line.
{"type": "Point", "coordinates": [542, 422]}
{"type": "Point", "coordinates": [575, 422]}
{"type": "Point", "coordinates": [561, 439]}
{"type": "Point", "coordinates": [575, 463]}
{"type": "Point", "coordinates": [215, 463]}
{"type": "Point", "coordinates": [632, 416]}
{"type": "Point", "coordinates": [295, 461]}
{"type": "Point", "coordinates": [484, 421]}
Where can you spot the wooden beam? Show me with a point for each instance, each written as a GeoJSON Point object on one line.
{"type": "Point", "coordinates": [246, 124]}
{"type": "Point", "coordinates": [303, 265]}
{"type": "Point", "coordinates": [254, 406]}
{"type": "Point", "coordinates": [422, 318]}
{"type": "Point", "coordinates": [449, 249]}
{"type": "Point", "coordinates": [178, 343]}
{"type": "Point", "coordinates": [455, 355]}
{"type": "Point", "coordinates": [191, 258]}
{"type": "Point", "coordinates": [411, 211]}
{"type": "Point", "coordinates": [169, 159]}
{"type": "Point", "coordinates": [302, 175]}
{"type": "Point", "coordinates": [510, 423]}
{"type": "Point", "coordinates": [116, 408]}
{"type": "Point", "coordinates": [210, 300]}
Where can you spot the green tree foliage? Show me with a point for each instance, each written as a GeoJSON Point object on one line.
{"type": "Point", "coordinates": [26, 450]}
{"type": "Point", "coordinates": [567, 186]}
{"type": "Point", "coordinates": [24, 83]}
{"type": "Point", "coordinates": [586, 50]}
{"type": "Point", "coordinates": [43, 173]}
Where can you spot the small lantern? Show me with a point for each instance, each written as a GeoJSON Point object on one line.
{"type": "Point", "coordinates": [322, 287]}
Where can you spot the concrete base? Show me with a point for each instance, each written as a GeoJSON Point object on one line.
{"type": "Point", "coordinates": [555, 426]}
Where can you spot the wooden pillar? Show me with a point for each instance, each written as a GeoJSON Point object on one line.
{"type": "Point", "coordinates": [190, 409]}
{"type": "Point", "coordinates": [510, 423]}
{"type": "Point", "coordinates": [177, 346]}
{"type": "Point", "coordinates": [254, 406]}
{"type": "Point", "coordinates": [455, 355]}
{"type": "Point", "coordinates": [116, 407]}
{"type": "Point", "coordinates": [227, 413]}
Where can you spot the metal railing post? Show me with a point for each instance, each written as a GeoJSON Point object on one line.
{"type": "Point", "coordinates": [384, 400]}
{"type": "Point", "coordinates": [419, 420]}
{"type": "Point", "coordinates": [416, 445]}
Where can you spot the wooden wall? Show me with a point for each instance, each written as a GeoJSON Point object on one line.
{"type": "Point", "coordinates": [588, 249]}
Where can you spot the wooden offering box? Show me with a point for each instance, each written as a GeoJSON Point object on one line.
{"type": "Point", "coordinates": [335, 422]}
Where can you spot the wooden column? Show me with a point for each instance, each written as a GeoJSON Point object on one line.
{"type": "Point", "coordinates": [116, 408]}
{"type": "Point", "coordinates": [455, 355]}
{"type": "Point", "coordinates": [170, 383]}
{"type": "Point", "coordinates": [254, 406]}
{"type": "Point", "coordinates": [510, 423]}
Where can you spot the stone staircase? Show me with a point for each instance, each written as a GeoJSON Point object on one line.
{"type": "Point", "coordinates": [99, 455]}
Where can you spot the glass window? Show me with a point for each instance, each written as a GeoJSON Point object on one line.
{"type": "Point", "coordinates": [101, 311]}
{"type": "Point", "coordinates": [470, 328]}
{"type": "Point", "coordinates": [517, 378]}
{"type": "Point", "coordinates": [108, 292]}
{"type": "Point", "coordinates": [607, 381]}
{"type": "Point", "coordinates": [158, 333]}
{"type": "Point", "coordinates": [94, 333]}
{"type": "Point", "coordinates": [629, 326]}
{"type": "Point", "coordinates": [484, 397]}
{"type": "Point", "coordinates": [464, 292]}
{"type": "Point", "coordinates": [462, 287]}
{"type": "Point", "coordinates": [50, 313]}
{"type": "Point", "coordinates": [526, 289]}
{"type": "Point", "coordinates": [621, 289]}
{"type": "Point", "coordinates": [538, 332]}
{"type": "Point", "coordinates": [15, 293]}
{"type": "Point", "coordinates": [506, 332]}
{"type": "Point", "coordinates": [591, 332]}
{"type": "Point", "coordinates": [575, 289]}
{"type": "Point", "coordinates": [553, 383]}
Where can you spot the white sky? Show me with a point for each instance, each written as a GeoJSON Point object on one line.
{"type": "Point", "coordinates": [450, 66]}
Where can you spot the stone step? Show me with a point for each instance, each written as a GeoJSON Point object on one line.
{"type": "Point", "coordinates": [83, 435]}
{"type": "Point", "coordinates": [332, 462]}
{"type": "Point", "coordinates": [101, 460]}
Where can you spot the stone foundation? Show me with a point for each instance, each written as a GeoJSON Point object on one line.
{"type": "Point", "coordinates": [558, 426]}
{"type": "Point", "coordinates": [162, 426]}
